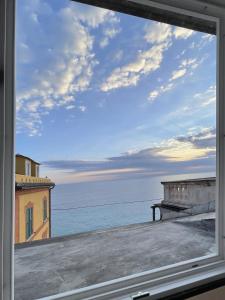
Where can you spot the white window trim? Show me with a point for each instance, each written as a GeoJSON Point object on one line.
{"type": "Point", "coordinates": [159, 282]}
{"type": "Point", "coordinates": [27, 165]}
{"type": "Point", "coordinates": [37, 171]}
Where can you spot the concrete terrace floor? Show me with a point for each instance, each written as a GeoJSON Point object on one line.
{"type": "Point", "coordinates": [61, 264]}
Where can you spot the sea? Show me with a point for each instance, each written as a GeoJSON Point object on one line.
{"type": "Point", "coordinates": [99, 205]}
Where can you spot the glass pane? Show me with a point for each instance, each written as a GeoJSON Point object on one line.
{"type": "Point", "coordinates": [120, 111]}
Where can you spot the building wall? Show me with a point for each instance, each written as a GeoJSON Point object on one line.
{"type": "Point", "coordinates": [20, 165]}
{"type": "Point", "coordinates": [197, 197]}
{"type": "Point", "coordinates": [191, 194]}
{"type": "Point", "coordinates": [31, 198]}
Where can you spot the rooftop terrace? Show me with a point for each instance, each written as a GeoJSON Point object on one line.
{"type": "Point", "coordinates": [61, 264]}
{"type": "Point", "coordinates": [28, 182]}
{"type": "Point", "coordinates": [31, 179]}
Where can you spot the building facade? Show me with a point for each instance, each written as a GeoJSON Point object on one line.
{"type": "Point", "coordinates": [32, 202]}
{"type": "Point", "coordinates": [187, 197]}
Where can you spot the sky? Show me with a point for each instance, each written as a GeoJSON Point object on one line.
{"type": "Point", "coordinates": [102, 95]}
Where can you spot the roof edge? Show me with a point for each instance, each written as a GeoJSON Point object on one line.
{"type": "Point", "coordinates": [190, 180]}
{"type": "Point", "coordinates": [27, 157]}
{"type": "Point", "coordinates": [28, 185]}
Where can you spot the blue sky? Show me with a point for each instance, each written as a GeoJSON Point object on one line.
{"type": "Point", "coordinates": [103, 95]}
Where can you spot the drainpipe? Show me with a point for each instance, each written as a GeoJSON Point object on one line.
{"type": "Point", "coordinates": [49, 212]}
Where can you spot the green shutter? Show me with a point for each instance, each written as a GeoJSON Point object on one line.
{"type": "Point", "coordinates": [29, 222]}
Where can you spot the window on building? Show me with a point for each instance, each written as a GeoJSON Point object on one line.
{"type": "Point", "coordinates": [27, 167]}
{"type": "Point", "coordinates": [29, 222]}
{"type": "Point", "coordinates": [45, 209]}
{"type": "Point", "coordinates": [37, 170]}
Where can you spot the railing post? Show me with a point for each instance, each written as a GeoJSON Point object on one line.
{"type": "Point", "coordinates": [153, 212]}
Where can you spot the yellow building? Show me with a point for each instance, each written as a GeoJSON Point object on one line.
{"type": "Point", "coordinates": [32, 202]}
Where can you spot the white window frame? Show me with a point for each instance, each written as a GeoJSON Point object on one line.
{"type": "Point", "coordinates": [37, 171]}
{"type": "Point", "coordinates": [27, 167]}
{"type": "Point", "coordinates": [160, 282]}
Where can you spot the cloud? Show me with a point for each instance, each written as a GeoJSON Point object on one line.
{"type": "Point", "coordinates": [201, 106]}
{"type": "Point", "coordinates": [82, 108]}
{"type": "Point", "coordinates": [177, 74]}
{"type": "Point", "coordinates": [144, 63]}
{"type": "Point", "coordinates": [157, 33]}
{"type": "Point", "coordinates": [118, 55]}
{"type": "Point", "coordinates": [69, 107]}
{"type": "Point", "coordinates": [173, 156]}
{"type": "Point", "coordinates": [161, 90]}
{"type": "Point", "coordinates": [94, 16]}
{"type": "Point", "coordinates": [33, 106]}
{"type": "Point", "coordinates": [24, 54]}
{"type": "Point", "coordinates": [141, 127]}
{"type": "Point", "coordinates": [180, 150]}
{"type": "Point", "coordinates": [53, 66]}
{"type": "Point", "coordinates": [205, 138]}
{"type": "Point", "coordinates": [186, 65]}
{"type": "Point", "coordinates": [191, 62]}
{"type": "Point", "coordinates": [160, 36]}
{"type": "Point", "coordinates": [182, 33]}
{"type": "Point", "coordinates": [109, 33]}
{"type": "Point", "coordinates": [154, 94]}
{"type": "Point", "coordinates": [207, 97]}
{"type": "Point", "coordinates": [209, 37]}
{"type": "Point", "coordinates": [104, 42]}
{"type": "Point", "coordinates": [32, 124]}
{"type": "Point", "coordinates": [205, 40]}
{"type": "Point", "coordinates": [48, 103]}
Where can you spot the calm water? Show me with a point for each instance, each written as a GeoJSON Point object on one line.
{"type": "Point", "coordinates": [125, 202]}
